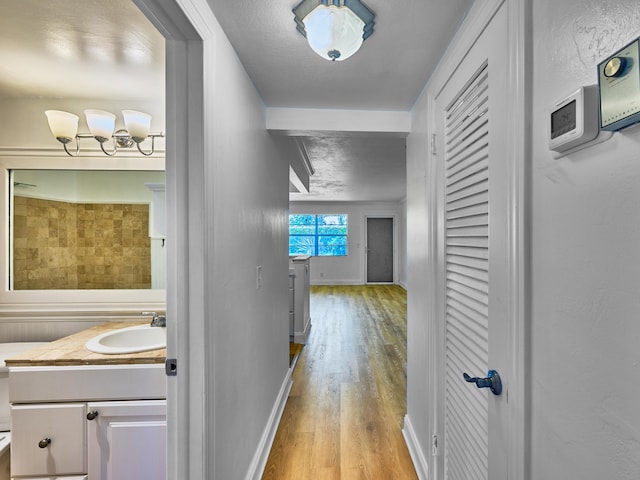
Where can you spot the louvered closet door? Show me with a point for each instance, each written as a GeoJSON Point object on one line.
{"type": "Point", "coordinates": [467, 279]}
{"type": "Point", "coordinates": [471, 152]}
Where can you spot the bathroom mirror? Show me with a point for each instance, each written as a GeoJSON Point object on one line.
{"type": "Point", "coordinates": [85, 229]}
{"type": "Point", "coordinates": [83, 236]}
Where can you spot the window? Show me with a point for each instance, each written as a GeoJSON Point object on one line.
{"type": "Point", "coordinates": [318, 235]}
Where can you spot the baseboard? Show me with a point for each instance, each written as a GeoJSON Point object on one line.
{"type": "Point", "coordinates": [417, 455]}
{"type": "Point", "coordinates": [259, 462]}
{"type": "Point", "coordinates": [301, 337]}
{"type": "Point", "coordinates": [328, 281]}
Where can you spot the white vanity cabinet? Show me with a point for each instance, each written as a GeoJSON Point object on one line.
{"type": "Point", "coordinates": [107, 440]}
{"type": "Point", "coordinates": [88, 422]}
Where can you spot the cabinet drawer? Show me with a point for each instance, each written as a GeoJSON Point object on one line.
{"type": "Point", "coordinates": [65, 426]}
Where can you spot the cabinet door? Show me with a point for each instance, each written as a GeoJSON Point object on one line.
{"type": "Point", "coordinates": [48, 439]}
{"type": "Point", "coordinates": [127, 440]}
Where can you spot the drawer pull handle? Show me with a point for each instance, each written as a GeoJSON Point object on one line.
{"type": "Point", "coordinates": [44, 443]}
{"type": "Point", "coordinates": [92, 415]}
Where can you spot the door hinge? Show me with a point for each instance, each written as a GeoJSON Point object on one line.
{"type": "Point", "coordinates": [434, 445]}
{"type": "Point", "coordinates": [433, 144]}
{"type": "Point", "coordinates": [171, 367]}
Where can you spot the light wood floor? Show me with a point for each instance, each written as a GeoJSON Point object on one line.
{"type": "Point", "coordinates": [343, 418]}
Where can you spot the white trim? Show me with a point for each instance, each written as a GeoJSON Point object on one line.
{"type": "Point", "coordinates": [259, 461]}
{"type": "Point", "coordinates": [301, 337]}
{"type": "Point", "coordinates": [294, 179]}
{"type": "Point", "coordinates": [304, 156]}
{"type": "Point", "coordinates": [186, 26]}
{"type": "Point", "coordinates": [85, 153]}
{"type": "Point", "coordinates": [324, 121]}
{"type": "Point", "coordinates": [415, 451]}
{"type": "Point", "coordinates": [474, 24]}
{"type": "Point", "coordinates": [519, 118]}
{"type": "Point", "coordinates": [436, 325]}
{"type": "Point", "coordinates": [328, 281]}
{"type": "Point", "coordinates": [343, 203]}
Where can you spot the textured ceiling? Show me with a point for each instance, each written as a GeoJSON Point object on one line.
{"type": "Point", "coordinates": [355, 169]}
{"type": "Point", "coordinates": [79, 49]}
{"type": "Point", "coordinates": [71, 49]}
{"type": "Point", "coordinates": [387, 73]}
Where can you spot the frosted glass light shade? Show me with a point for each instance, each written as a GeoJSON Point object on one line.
{"type": "Point", "coordinates": [138, 124]}
{"type": "Point", "coordinates": [334, 33]}
{"type": "Point", "coordinates": [101, 124]}
{"type": "Point", "coordinates": [63, 125]}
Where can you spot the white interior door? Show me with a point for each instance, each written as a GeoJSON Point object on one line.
{"type": "Point", "coordinates": [470, 115]}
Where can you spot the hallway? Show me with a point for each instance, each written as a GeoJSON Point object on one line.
{"type": "Point", "coordinates": [343, 418]}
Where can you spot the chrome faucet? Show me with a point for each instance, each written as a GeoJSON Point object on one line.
{"type": "Point", "coordinates": [157, 320]}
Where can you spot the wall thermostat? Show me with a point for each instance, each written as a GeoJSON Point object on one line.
{"type": "Point", "coordinates": [619, 82]}
{"type": "Point", "coordinates": [573, 120]}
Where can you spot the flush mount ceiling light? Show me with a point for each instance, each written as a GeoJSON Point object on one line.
{"type": "Point", "coordinates": [335, 29]}
{"type": "Point", "coordinates": [64, 126]}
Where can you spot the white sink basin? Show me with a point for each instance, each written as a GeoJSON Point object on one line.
{"type": "Point", "coordinates": [129, 340]}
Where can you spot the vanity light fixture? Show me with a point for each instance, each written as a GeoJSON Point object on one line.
{"type": "Point", "coordinates": [335, 29]}
{"type": "Point", "coordinates": [64, 126]}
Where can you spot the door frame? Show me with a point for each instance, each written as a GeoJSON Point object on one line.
{"type": "Point", "coordinates": [393, 216]}
{"type": "Point", "coordinates": [518, 120]}
{"type": "Point", "coordinates": [187, 26]}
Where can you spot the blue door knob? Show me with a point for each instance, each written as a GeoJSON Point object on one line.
{"type": "Point", "coordinates": [492, 381]}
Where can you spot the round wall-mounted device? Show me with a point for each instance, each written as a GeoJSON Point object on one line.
{"type": "Point", "coordinates": [615, 67]}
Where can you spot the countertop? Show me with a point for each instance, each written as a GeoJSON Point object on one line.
{"type": "Point", "coordinates": [71, 351]}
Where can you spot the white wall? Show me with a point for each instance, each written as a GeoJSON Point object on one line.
{"type": "Point", "coordinates": [247, 183]}
{"type": "Point", "coordinates": [350, 270]}
{"type": "Point", "coordinates": [402, 245]}
{"type": "Point", "coordinates": [24, 124]}
{"type": "Point", "coordinates": [585, 266]}
{"type": "Point", "coordinates": [584, 269]}
{"type": "Point", "coordinates": [420, 291]}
